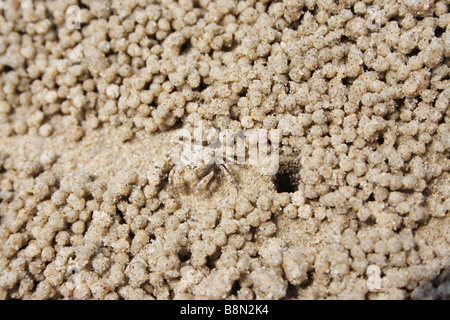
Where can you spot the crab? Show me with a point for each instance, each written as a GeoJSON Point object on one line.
{"type": "Point", "coordinates": [193, 167]}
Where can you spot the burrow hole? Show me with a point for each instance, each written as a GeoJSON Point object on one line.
{"type": "Point", "coordinates": [287, 178]}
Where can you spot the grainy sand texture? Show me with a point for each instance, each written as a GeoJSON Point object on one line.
{"type": "Point", "coordinates": [96, 204]}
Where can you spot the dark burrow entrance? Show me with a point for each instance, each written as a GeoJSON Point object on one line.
{"type": "Point", "coordinates": [287, 178]}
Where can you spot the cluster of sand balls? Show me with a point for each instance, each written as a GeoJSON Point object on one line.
{"type": "Point", "coordinates": [359, 90]}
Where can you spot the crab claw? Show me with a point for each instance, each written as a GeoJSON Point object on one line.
{"type": "Point", "coordinates": [204, 182]}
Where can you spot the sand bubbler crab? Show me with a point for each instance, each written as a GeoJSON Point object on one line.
{"type": "Point", "coordinates": [195, 165]}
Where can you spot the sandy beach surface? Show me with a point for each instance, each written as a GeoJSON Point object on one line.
{"type": "Point", "coordinates": [101, 199]}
